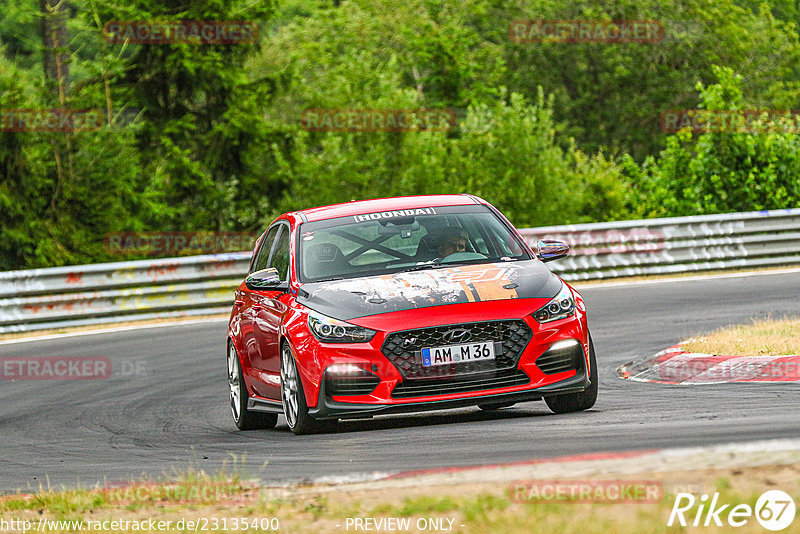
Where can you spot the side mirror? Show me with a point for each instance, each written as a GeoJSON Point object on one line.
{"type": "Point", "coordinates": [549, 249]}
{"type": "Point", "coordinates": [266, 280]}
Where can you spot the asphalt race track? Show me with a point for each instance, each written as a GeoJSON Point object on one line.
{"type": "Point", "coordinates": [173, 414]}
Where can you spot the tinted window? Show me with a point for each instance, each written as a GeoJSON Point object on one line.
{"type": "Point", "coordinates": [263, 250]}
{"type": "Point", "coordinates": [350, 247]}
{"type": "Point", "coordinates": [280, 254]}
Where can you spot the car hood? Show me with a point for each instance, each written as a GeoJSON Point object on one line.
{"type": "Point", "coordinates": [360, 297]}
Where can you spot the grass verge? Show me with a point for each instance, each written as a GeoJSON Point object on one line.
{"type": "Point", "coordinates": [469, 507]}
{"type": "Point", "coordinates": [765, 337]}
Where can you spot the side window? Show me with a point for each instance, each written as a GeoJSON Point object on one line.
{"type": "Point", "coordinates": [280, 254]}
{"type": "Point", "coordinates": [262, 255]}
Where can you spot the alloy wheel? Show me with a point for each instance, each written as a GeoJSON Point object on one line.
{"type": "Point", "coordinates": [289, 389]}
{"type": "Point", "coordinates": [233, 383]}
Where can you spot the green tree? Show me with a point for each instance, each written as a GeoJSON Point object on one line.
{"type": "Point", "coordinates": [506, 153]}
{"type": "Point", "coordinates": [719, 172]}
{"type": "Point", "coordinates": [63, 191]}
{"type": "Point", "coordinates": [611, 95]}
{"type": "Point", "coordinates": [202, 128]}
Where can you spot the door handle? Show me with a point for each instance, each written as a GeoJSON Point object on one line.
{"type": "Point", "coordinates": [257, 307]}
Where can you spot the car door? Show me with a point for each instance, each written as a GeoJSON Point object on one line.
{"type": "Point", "coordinates": [248, 311]}
{"type": "Point", "coordinates": [269, 307]}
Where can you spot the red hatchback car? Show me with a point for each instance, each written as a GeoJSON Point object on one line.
{"type": "Point", "coordinates": [403, 305]}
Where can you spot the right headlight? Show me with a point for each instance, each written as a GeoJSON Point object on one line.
{"type": "Point", "coordinates": [330, 330]}
{"type": "Point", "coordinates": [560, 307]}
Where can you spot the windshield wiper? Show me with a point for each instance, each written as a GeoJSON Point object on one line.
{"type": "Point", "coordinates": [438, 264]}
{"type": "Point", "coordinates": [331, 279]}
{"type": "Point", "coordinates": [433, 264]}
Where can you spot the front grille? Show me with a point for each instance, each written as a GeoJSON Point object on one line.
{"type": "Point", "coordinates": [558, 361]}
{"type": "Point", "coordinates": [463, 384]}
{"type": "Point", "coordinates": [404, 349]}
{"type": "Point", "coordinates": [358, 385]}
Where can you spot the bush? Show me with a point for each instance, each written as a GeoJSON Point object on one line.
{"type": "Point", "coordinates": [506, 153]}
{"type": "Point", "coordinates": [724, 172]}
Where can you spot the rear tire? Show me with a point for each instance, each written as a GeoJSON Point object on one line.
{"type": "Point", "coordinates": [495, 406]}
{"type": "Point", "coordinates": [244, 418]}
{"type": "Point", "coordinates": [577, 402]}
{"type": "Point", "coordinates": [295, 408]}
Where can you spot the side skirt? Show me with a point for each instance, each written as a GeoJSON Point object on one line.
{"type": "Point", "coordinates": [264, 405]}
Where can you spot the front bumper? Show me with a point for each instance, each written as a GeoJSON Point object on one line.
{"type": "Point", "coordinates": [328, 408]}
{"type": "Point", "coordinates": [402, 388]}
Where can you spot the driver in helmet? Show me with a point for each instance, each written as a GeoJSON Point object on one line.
{"type": "Point", "coordinates": [452, 240]}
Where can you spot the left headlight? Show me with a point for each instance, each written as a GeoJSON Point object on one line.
{"type": "Point", "coordinates": [560, 307]}
{"type": "Point", "coordinates": [330, 330]}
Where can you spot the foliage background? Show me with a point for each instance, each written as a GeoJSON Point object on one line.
{"type": "Point", "coordinates": [208, 137]}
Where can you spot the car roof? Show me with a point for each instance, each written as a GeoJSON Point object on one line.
{"type": "Point", "coordinates": [386, 204]}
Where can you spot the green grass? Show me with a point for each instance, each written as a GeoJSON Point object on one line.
{"type": "Point", "coordinates": [478, 511]}
{"type": "Point", "coordinates": [767, 337]}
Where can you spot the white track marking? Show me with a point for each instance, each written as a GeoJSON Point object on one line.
{"type": "Point", "coordinates": [725, 456]}
{"type": "Point", "coordinates": [588, 284]}
{"type": "Point", "coordinates": [112, 330]}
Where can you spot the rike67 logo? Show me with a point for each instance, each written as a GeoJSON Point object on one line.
{"type": "Point", "coordinates": [774, 510]}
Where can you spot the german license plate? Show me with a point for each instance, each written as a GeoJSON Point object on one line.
{"type": "Point", "coordinates": [464, 352]}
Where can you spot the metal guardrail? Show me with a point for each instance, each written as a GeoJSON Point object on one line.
{"type": "Point", "coordinates": [111, 292]}
{"type": "Point", "coordinates": [150, 289]}
{"type": "Point", "coordinates": [675, 245]}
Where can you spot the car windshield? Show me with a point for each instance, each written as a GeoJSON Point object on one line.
{"type": "Point", "coordinates": [405, 240]}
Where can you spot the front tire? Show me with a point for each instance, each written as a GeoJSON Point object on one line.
{"type": "Point", "coordinates": [295, 408]}
{"type": "Point", "coordinates": [576, 402]}
{"type": "Point", "coordinates": [244, 418]}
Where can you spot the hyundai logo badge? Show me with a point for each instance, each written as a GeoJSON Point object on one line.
{"type": "Point", "coordinates": [457, 335]}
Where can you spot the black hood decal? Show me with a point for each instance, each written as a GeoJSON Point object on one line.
{"type": "Point", "coordinates": [360, 297]}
